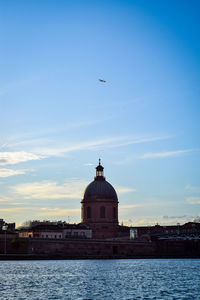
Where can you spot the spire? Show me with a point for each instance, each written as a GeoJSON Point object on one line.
{"type": "Point", "coordinates": [99, 172]}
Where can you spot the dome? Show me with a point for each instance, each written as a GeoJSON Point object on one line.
{"type": "Point", "coordinates": [99, 189]}
{"type": "Point", "coordinates": [99, 205]}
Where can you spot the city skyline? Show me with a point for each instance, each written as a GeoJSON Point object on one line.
{"type": "Point", "coordinates": [58, 119]}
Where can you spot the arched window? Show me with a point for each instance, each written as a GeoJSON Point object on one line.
{"type": "Point", "coordinates": [114, 213]}
{"type": "Point", "coordinates": [102, 212]}
{"type": "Point", "coordinates": [88, 212]}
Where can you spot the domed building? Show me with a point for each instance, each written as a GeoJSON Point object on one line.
{"type": "Point", "coordinates": [99, 206]}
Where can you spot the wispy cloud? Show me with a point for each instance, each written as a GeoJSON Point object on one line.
{"type": "Point", "coordinates": [193, 200]}
{"type": "Point", "coordinates": [193, 189]}
{"type": "Point", "coordinates": [89, 145]}
{"type": "Point", "coordinates": [71, 189]}
{"type": "Point", "coordinates": [16, 203]}
{"type": "Point", "coordinates": [11, 158]}
{"type": "Point", "coordinates": [111, 142]}
{"type": "Point", "coordinates": [166, 217]}
{"type": "Point", "coordinates": [93, 144]}
{"type": "Point", "coordinates": [124, 161]}
{"type": "Point", "coordinates": [45, 136]}
{"type": "Point", "coordinates": [13, 209]}
{"type": "Point", "coordinates": [38, 153]}
{"type": "Point", "coordinates": [10, 172]}
{"type": "Point", "coordinates": [130, 206]}
{"type": "Point", "coordinates": [5, 199]}
{"type": "Point", "coordinates": [161, 220]}
{"type": "Point", "coordinates": [124, 190]}
{"type": "Point", "coordinates": [165, 154]}
{"type": "Point", "coordinates": [4, 145]}
{"type": "Point", "coordinates": [58, 212]}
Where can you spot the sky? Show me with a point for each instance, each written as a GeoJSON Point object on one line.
{"type": "Point", "coordinates": [58, 119]}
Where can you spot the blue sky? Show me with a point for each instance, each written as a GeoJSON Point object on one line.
{"type": "Point", "coordinates": [57, 119]}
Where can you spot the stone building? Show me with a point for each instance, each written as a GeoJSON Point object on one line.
{"type": "Point", "coordinates": [99, 208]}
{"type": "Point", "coordinates": [41, 231]}
{"type": "Point", "coordinates": [59, 231]}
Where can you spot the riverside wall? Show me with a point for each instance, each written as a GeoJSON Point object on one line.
{"type": "Point", "coordinates": [24, 248]}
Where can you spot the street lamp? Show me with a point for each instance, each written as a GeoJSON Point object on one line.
{"type": "Point", "coordinates": [5, 227]}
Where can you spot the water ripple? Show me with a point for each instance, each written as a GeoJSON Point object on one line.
{"type": "Point", "coordinates": [101, 279]}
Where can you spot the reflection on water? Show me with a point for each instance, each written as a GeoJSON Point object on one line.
{"type": "Point", "coordinates": [100, 279]}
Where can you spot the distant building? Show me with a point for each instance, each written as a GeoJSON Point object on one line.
{"type": "Point", "coordinates": [51, 231]}
{"type": "Point", "coordinates": [41, 231]}
{"type": "Point", "coordinates": [190, 230]}
{"type": "Point", "coordinates": [80, 231]}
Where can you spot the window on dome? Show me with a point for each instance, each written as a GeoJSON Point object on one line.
{"type": "Point", "coordinates": [102, 212]}
{"type": "Point", "coordinates": [88, 212]}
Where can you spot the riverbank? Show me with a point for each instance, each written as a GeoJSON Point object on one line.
{"type": "Point", "coordinates": [36, 249]}
{"type": "Point", "coordinates": [14, 257]}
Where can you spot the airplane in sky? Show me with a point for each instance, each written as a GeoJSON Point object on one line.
{"type": "Point", "coordinates": [102, 80]}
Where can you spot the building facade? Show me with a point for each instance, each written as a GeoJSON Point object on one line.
{"type": "Point", "coordinates": [99, 207]}
{"type": "Point", "coordinates": [50, 231]}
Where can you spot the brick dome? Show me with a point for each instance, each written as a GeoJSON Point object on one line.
{"type": "Point", "coordinates": [99, 205]}
{"type": "Point", "coordinates": [100, 190]}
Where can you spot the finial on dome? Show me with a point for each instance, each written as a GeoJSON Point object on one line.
{"type": "Point", "coordinates": [99, 161]}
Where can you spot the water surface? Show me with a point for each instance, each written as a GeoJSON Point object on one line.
{"type": "Point", "coordinates": [100, 279]}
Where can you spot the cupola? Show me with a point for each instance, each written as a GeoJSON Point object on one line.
{"type": "Point", "coordinates": [99, 172]}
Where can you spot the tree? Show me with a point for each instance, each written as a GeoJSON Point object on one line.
{"type": "Point", "coordinates": [197, 220]}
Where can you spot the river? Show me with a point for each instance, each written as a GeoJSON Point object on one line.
{"type": "Point", "coordinates": [100, 279]}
